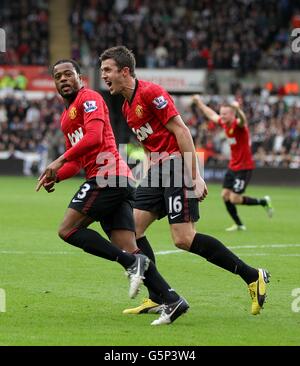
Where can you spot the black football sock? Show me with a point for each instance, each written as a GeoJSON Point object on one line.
{"type": "Point", "coordinates": [249, 201]}
{"type": "Point", "coordinates": [92, 242]}
{"type": "Point", "coordinates": [146, 249]}
{"type": "Point", "coordinates": [231, 208]}
{"type": "Point", "coordinates": [215, 252]}
{"type": "Point", "coordinates": [156, 283]}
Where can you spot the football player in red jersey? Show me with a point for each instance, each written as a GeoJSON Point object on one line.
{"type": "Point", "coordinates": [234, 122]}
{"type": "Point", "coordinates": [89, 142]}
{"type": "Point", "coordinates": [153, 117]}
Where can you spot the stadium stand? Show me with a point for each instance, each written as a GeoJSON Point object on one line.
{"type": "Point", "coordinates": [31, 126]}
{"type": "Point", "coordinates": [244, 35]}
{"type": "Point", "coordinates": [240, 35]}
{"type": "Point", "coordinates": [26, 23]}
{"type": "Point", "coordinates": [29, 130]}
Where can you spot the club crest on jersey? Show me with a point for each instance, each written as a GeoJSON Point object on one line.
{"type": "Point", "coordinates": [90, 106]}
{"type": "Point", "coordinates": [160, 102]}
{"type": "Point", "coordinates": [73, 113]}
{"type": "Point", "coordinates": [230, 131]}
{"type": "Point", "coordinates": [139, 111]}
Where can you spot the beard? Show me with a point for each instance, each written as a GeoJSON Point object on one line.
{"type": "Point", "coordinates": [70, 95]}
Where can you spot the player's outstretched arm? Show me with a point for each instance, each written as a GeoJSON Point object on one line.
{"type": "Point", "coordinates": [209, 113]}
{"type": "Point", "coordinates": [242, 119]}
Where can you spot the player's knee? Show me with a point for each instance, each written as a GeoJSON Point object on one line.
{"type": "Point", "coordinates": [225, 196]}
{"type": "Point", "coordinates": [183, 242]}
{"type": "Point", "coordinates": [235, 199]}
{"type": "Point", "coordinates": [63, 232]}
{"type": "Point", "coordinates": [183, 235]}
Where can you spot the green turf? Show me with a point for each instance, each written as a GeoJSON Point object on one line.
{"type": "Point", "coordinates": [59, 295]}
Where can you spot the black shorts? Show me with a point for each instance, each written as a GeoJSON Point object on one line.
{"type": "Point", "coordinates": [167, 195]}
{"type": "Point", "coordinates": [111, 206]}
{"type": "Point", "coordinates": [237, 181]}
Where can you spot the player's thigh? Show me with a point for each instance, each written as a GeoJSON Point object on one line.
{"type": "Point", "coordinates": [148, 206]}
{"type": "Point", "coordinates": [225, 194]}
{"type": "Point", "coordinates": [119, 226]}
{"type": "Point", "coordinates": [73, 220]}
{"type": "Point", "coordinates": [183, 234]}
{"type": "Point", "coordinates": [120, 219]}
{"type": "Point", "coordinates": [124, 239]}
{"type": "Point", "coordinates": [143, 219]}
{"type": "Point", "coordinates": [236, 198]}
{"type": "Point", "coordinates": [228, 180]}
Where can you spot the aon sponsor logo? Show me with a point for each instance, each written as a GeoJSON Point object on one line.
{"type": "Point", "coordinates": [76, 136]}
{"type": "Point", "coordinates": [232, 141]}
{"type": "Point", "coordinates": [143, 132]}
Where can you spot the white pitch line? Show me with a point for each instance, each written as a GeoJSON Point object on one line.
{"type": "Point", "coordinates": [239, 254]}
{"type": "Point", "coordinates": [165, 252]}
{"type": "Point", "coordinates": [162, 252]}
{"type": "Point", "coordinates": [264, 246]}
{"type": "Point", "coordinates": [36, 252]}
{"type": "Point", "coordinates": [290, 255]}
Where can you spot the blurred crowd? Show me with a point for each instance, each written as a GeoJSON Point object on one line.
{"type": "Point", "coordinates": [32, 126]}
{"type": "Point", "coordinates": [27, 32]}
{"type": "Point", "coordinates": [30, 130]}
{"type": "Point", "coordinates": [244, 35]}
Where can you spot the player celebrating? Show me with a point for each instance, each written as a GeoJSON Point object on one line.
{"type": "Point", "coordinates": [88, 135]}
{"type": "Point", "coordinates": [153, 117]}
{"type": "Point", "coordinates": [234, 122]}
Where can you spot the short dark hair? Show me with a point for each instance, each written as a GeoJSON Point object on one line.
{"type": "Point", "coordinates": [64, 60]}
{"type": "Point", "coordinates": [122, 56]}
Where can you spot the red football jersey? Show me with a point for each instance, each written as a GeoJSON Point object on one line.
{"type": "Point", "coordinates": [149, 110]}
{"type": "Point", "coordinates": [240, 145]}
{"type": "Point", "coordinates": [88, 132]}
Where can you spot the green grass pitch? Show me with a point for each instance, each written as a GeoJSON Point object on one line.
{"type": "Point", "coordinates": [59, 295]}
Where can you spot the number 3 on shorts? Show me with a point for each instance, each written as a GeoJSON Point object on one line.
{"type": "Point", "coordinates": [83, 191]}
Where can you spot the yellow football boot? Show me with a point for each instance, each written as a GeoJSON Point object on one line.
{"type": "Point", "coordinates": [147, 306]}
{"type": "Point", "coordinates": [258, 291]}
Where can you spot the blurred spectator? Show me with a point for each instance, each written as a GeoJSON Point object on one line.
{"type": "Point", "coordinates": [7, 82]}
{"type": "Point", "coordinates": [21, 81]}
